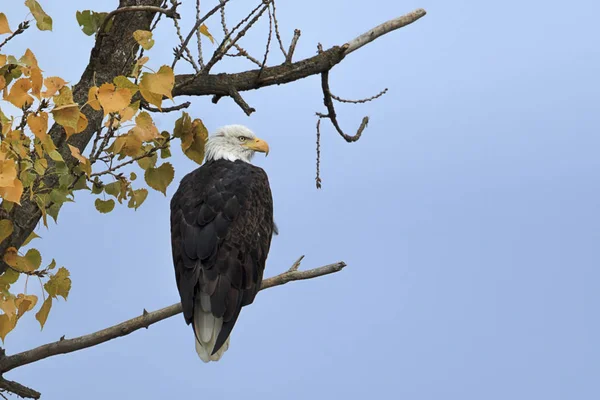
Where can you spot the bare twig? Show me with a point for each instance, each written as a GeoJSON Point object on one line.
{"type": "Point", "coordinates": [183, 47]}
{"type": "Point", "coordinates": [296, 264]}
{"type": "Point", "coordinates": [241, 51]}
{"type": "Point", "coordinates": [143, 321]}
{"type": "Point", "coordinates": [134, 159]}
{"type": "Point", "coordinates": [197, 25]}
{"type": "Point", "coordinates": [274, 12]}
{"type": "Point", "coordinates": [181, 106]}
{"type": "Point", "coordinates": [22, 27]}
{"type": "Point", "coordinates": [199, 36]}
{"type": "Point", "coordinates": [318, 177]}
{"type": "Point", "coordinates": [290, 53]}
{"type": "Point", "coordinates": [361, 101]}
{"type": "Point", "coordinates": [213, 84]}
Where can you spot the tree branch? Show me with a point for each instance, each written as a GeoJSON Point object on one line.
{"type": "Point", "coordinates": [144, 321]}
{"type": "Point", "coordinates": [18, 389]}
{"type": "Point", "coordinates": [220, 84]}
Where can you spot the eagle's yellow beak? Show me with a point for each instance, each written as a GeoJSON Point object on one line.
{"type": "Point", "coordinates": [258, 145]}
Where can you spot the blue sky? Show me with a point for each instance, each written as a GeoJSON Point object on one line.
{"type": "Point", "coordinates": [468, 216]}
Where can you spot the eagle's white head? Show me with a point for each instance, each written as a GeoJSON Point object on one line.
{"type": "Point", "coordinates": [234, 142]}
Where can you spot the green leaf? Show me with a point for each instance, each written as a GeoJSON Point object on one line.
{"type": "Point", "coordinates": [6, 229]}
{"type": "Point", "coordinates": [183, 125]}
{"type": "Point", "coordinates": [160, 178]}
{"type": "Point", "coordinates": [132, 176]}
{"type": "Point", "coordinates": [97, 186]}
{"type": "Point", "coordinates": [137, 198]}
{"type": "Point", "coordinates": [147, 162]}
{"type": "Point", "coordinates": [113, 189]}
{"type": "Point", "coordinates": [144, 39]}
{"type": "Point", "coordinates": [193, 144]}
{"type": "Point", "coordinates": [9, 277]}
{"type": "Point", "coordinates": [32, 260]}
{"type": "Point", "coordinates": [42, 314]}
{"type": "Point", "coordinates": [91, 21]}
{"type": "Point", "coordinates": [31, 236]}
{"type": "Point", "coordinates": [55, 155]}
{"type": "Point", "coordinates": [43, 20]}
{"type": "Point", "coordinates": [122, 82]}
{"type": "Point", "coordinates": [52, 264]}
{"type": "Point", "coordinates": [59, 284]}
{"type": "Point", "coordinates": [104, 206]}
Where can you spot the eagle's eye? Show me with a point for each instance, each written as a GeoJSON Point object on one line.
{"type": "Point", "coordinates": [242, 138]}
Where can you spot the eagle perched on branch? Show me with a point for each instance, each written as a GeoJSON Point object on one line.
{"type": "Point", "coordinates": [221, 230]}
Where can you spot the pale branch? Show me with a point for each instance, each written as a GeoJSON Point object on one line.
{"type": "Point", "coordinates": [65, 346]}
{"type": "Point", "coordinates": [383, 29]}
{"type": "Point", "coordinates": [361, 101]}
{"type": "Point", "coordinates": [18, 389]}
{"type": "Point", "coordinates": [220, 84]}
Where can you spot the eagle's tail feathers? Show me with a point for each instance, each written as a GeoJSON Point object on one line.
{"type": "Point", "coordinates": [207, 328]}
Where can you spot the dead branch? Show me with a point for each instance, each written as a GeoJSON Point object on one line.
{"type": "Point", "coordinates": [332, 115]}
{"type": "Point", "coordinates": [290, 53]}
{"type": "Point", "coordinates": [219, 84]}
{"type": "Point", "coordinates": [65, 346]}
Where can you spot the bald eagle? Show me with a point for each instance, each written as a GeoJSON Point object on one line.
{"type": "Point", "coordinates": [221, 230]}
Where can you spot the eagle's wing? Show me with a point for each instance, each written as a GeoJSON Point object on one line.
{"type": "Point", "coordinates": [221, 229]}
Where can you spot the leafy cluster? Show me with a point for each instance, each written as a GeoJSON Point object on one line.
{"type": "Point", "coordinates": [36, 168]}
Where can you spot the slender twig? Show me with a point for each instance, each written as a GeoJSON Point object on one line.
{"type": "Point", "coordinates": [332, 115]}
{"type": "Point", "coordinates": [199, 36]}
{"type": "Point", "coordinates": [274, 12]}
{"type": "Point", "coordinates": [153, 150]}
{"type": "Point", "coordinates": [196, 26]}
{"type": "Point", "coordinates": [241, 51]}
{"type": "Point", "coordinates": [318, 177]}
{"type": "Point", "coordinates": [22, 27]}
{"type": "Point", "coordinates": [361, 101]}
{"type": "Point", "coordinates": [179, 52]}
{"type": "Point", "coordinates": [181, 106]}
{"type": "Point", "coordinates": [143, 321]}
{"type": "Point", "coordinates": [290, 53]}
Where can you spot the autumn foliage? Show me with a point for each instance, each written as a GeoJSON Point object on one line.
{"type": "Point", "coordinates": [32, 168]}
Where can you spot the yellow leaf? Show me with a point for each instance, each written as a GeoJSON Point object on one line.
{"type": "Point", "coordinates": [138, 66]}
{"type": "Point", "coordinates": [145, 130]}
{"type": "Point", "coordinates": [93, 98]}
{"type": "Point", "coordinates": [193, 143]}
{"type": "Point", "coordinates": [6, 229]}
{"type": "Point", "coordinates": [53, 84]}
{"type": "Point", "coordinates": [2, 82]}
{"type": "Point", "coordinates": [144, 39]}
{"type": "Point", "coordinates": [160, 178]}
{"type": "Point", "coordinates": [7, 304]}
{"type": "Point", "coordinates": [112, 99]}
{"type": "Point", "coordinates": [13, 193]}
{"type": "Point", "coordinates": [25, 303]}
{"type": "Point", "coordinates": [137, 198]}
{"type": "Point", "coordinates": [77, 154]}
{"type": "Point", "coordinates": [128, 112]}
{"type": "Point", "coordinates": [8, 173]}
{"type": "Point", "coordinates": [42, 314]}
{"type": "Point", "coordinates": [38, 125]}
{"type": "Point", "coordinates": [43, 20]}
{"type": "Point", "coordinates": [104, 206]}
{"type": "Point", "coordinates": [64, 97]}
{"type": "Point", "coordinates": [35, 75]}
{"type": "Point", "coordinates": [82, 123]}
{"type": "Point", "coordinates": [154, 86]}
{"type": "Point", "coordinates": [7, 324]}
{"type": "Point", "coordinates": [128, 144]}
{"type": "Point", "coordinates": [67, 116]}
{"type": "Point", "coordinates": [4, 24]}
{"type": "Point", "coordinates": [28, 263]}
{"type": "Point", "coordinates": [29, 59]}
{"type": "Point", "coordinates": [122, 82]}
{"type": "Point", "coordinates": [18, 93]}
{"type": "Point", "coordinates": [59, 284]}
{"type": "Point", "coordinates": [2, 59]}
{"type": "Point", "coordinates": [204, 30]}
